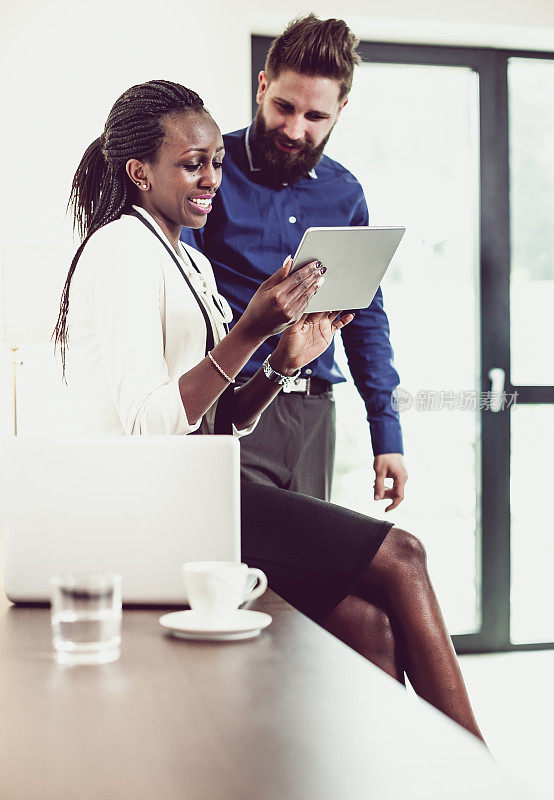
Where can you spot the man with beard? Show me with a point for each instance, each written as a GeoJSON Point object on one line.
{"type": "Point", "coordinates": [276, 183]}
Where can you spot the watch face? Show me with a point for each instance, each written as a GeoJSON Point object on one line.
{"type": "Point", "coordinates": [276, 377]}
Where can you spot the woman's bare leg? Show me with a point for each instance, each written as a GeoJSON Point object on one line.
{"type": "Point", "coordinates": [367, 629]}
{"type": "Point", "coordinates": [398, 581]}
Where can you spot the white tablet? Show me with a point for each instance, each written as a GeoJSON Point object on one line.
{"type": "Point", "coordinates": [356, 259]}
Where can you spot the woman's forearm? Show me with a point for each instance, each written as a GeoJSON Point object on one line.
{"type": "Point", "coordinates": [254, 396]}
{"type": "Point", "coordinates": [277, 304]}
{"type": "Point", "coordinates": [201, 386]}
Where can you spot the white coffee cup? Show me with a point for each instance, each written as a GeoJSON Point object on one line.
{"type": "Point", "coordinates": [218, 588]}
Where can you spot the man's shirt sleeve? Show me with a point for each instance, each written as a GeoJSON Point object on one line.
{"type": "Point", "coordinates": [371, 362]}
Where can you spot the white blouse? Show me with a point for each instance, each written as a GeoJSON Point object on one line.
{"type": "Point", "coordinates": [134, 327]}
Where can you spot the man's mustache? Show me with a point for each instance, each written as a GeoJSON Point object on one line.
{"type": "Point", "coordinates": [290, 142]}
{"type": "Point", "coordinates": [301, 144]}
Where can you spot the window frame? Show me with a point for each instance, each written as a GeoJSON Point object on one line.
{"type": "Point", "coordinates": [491, 66]}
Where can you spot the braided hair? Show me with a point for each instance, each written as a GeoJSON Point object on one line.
{"type": "Point", "coordinates": [100, 192]}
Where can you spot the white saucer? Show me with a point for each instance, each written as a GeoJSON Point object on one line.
{"type": "Point", "coordinates": [240, 624]}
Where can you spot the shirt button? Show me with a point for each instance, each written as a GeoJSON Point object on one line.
{"type": "Point", "coordinates": [308, 372]}
{"type": "Point", "coordinates": [292, 220]}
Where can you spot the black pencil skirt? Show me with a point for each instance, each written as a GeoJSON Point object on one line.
{"type": "Point", "coordinates": [313, 553]}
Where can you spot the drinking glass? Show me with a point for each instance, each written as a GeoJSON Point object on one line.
{"type": "Point", "coordinates": [86, 617]}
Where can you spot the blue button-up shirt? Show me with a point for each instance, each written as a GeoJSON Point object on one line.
{"type": "Point", "coordinates": [251, 229]}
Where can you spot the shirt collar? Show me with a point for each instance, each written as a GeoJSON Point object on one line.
{"type": "Point", "coordinates": [247, 137]}
{"type": "Point", "coordinates": [249, 151]}
{"type": "Point", "coordinates": [152, 221]}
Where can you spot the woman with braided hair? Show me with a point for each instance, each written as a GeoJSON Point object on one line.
{"type": "Point", "coordinates": [126, 195]}
{"type": "Point", "coordinates": [143, 334]}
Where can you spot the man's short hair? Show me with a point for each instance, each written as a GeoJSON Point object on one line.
{"type": "Point", "coordinates": [312, 46]}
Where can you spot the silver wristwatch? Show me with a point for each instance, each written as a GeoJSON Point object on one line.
{"type": "Point", "coordinates": [276, 377]}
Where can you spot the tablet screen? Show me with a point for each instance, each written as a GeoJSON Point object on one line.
{"type": "Point", "coordinates": [356, 259]}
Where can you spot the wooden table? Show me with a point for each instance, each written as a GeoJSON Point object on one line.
{"type": "Point", "coordinates": [292, 715]}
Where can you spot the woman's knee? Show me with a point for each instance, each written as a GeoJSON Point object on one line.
{"type": "Point", "coordinates": [401, 555]}
{"type": "Point", "coordinates": [406, 548]}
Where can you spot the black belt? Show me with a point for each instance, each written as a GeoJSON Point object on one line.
{"type": "Point", "coordinates": [308, 386]}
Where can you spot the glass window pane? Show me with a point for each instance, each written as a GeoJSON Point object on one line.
{"type": "Point", "coordinates": [532, 528]}
{"type": "Point", "coordinates": [531, 89]}
{"type": "Point", "coordinates": [418, 164]}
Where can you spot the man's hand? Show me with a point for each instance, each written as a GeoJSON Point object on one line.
{"type": "Point", "coordinates": [390, 465]}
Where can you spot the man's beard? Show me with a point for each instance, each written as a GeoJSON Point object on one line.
{"type": "Point", "coordinates": [284, 167]}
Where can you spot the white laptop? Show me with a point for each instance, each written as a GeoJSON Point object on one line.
{"type": "Point", "coordinates": [139, 506]}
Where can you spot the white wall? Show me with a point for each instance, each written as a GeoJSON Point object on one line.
{"type": "Point", "coordinates": [63, 63]}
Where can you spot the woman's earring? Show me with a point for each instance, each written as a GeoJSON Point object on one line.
{"type": "Point", "coordinates": [144, 186]}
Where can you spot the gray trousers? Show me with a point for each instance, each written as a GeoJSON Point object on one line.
{"type": "Point", "coordinates": [293, 445]}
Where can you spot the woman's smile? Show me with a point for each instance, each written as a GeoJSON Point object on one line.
{"type": "Point", "coordinates": [201, 203]}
